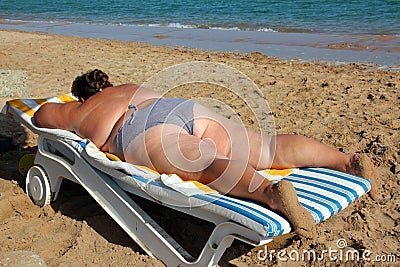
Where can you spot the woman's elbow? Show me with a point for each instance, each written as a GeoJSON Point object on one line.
{"type": "Point", "coordinates": [38, 118]}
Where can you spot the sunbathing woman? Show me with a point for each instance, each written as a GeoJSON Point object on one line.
{"type": "Point", "coordinates": [179, 136]}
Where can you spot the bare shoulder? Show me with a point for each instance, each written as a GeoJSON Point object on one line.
{"type": "Point", "coordinates": [140, 91]}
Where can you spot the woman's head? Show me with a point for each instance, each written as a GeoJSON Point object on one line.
{"type": "Point", "coordinates": [88, 84]}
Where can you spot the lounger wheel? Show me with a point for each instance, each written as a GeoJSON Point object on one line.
{"type": "Point", "coordinates": [38, 186]}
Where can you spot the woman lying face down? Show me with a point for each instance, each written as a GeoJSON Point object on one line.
{"type": "Point", "coordinates": [173, 135]}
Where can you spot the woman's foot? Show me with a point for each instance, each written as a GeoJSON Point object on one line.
{"type": "Point", "coordinates": [361, 165]}
{"type": "Point", "coordinates": [285, 200]}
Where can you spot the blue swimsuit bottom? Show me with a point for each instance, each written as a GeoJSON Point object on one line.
{"type": "Point", "coordinates": [175, 111]}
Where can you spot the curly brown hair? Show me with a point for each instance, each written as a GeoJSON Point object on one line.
{"type": "Point", "coordinates": [90, 83]}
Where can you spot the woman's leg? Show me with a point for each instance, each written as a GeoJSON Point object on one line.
{"type": "Point", "coordinates": [299, 151]}
{"type": "Point", "coordinates": [294, 151]}
{"type": "Point", "coordinates": [222, 175]}
{"type": "Point", "coordinates": [194, 159]}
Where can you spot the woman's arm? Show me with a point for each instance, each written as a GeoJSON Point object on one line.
{"type": "Point", "coordinates": [55, 115]}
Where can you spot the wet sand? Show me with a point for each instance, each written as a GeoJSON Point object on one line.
{"type": "Point", "coordinates": [307, 46]}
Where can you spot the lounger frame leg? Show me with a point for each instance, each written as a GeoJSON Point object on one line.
{"type": "Point", "coordinates": [62, 161]}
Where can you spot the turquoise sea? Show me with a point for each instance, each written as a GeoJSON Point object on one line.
{"type": "Point", "coordinates": [372, 25]}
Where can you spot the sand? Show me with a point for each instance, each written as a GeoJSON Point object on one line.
{"type": "Point", "coordinates": [351, 107]}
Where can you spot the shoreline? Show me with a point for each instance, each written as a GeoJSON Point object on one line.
{"type": "Point", "coordinates": [380, 50]}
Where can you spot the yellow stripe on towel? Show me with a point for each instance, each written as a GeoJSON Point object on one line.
{"type": "Point", "coordinates": [112, 157]}
{"type": "Point", "coordinates": [272, 174]}
{"type": "Point", "coordinates": [204, 187]}
{"type": "Point", "coordinates": [66, 98]}
{"type": "Point", "coordinates": [40, 101]}
{"type": "Point", "coordinates": [18, 104]}
{"type": "Point", "coordinates": [283, 173]}
{"type": "Point", "coordinates": [148, 169]}
{"type": "Point", "coordinates": [188, 188]}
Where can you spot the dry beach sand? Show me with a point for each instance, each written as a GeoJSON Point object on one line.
{"type": "Point", "coordinates": [354, 108]}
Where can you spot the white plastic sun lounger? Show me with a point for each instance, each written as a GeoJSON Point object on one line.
{"type": "Point", "coordinates": [64, 155]}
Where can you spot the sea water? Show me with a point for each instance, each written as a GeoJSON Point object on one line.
{"type": "Point", "coordinates": [338, 30]}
